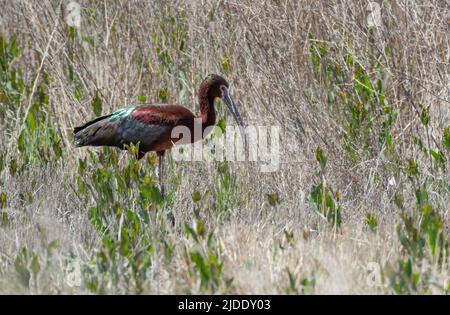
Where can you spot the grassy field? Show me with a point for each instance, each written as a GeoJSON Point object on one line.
{"type": "Point", "coordinates": [359, 203]}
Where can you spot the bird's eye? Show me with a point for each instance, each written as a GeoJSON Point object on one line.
{"type": "Point", "coordinates": [224, 90]}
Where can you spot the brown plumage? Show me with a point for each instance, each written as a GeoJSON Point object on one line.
{"type": "Point", "coordinates": [151, 125]}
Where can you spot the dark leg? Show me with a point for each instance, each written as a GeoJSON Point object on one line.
{"type": "Point", "coordinates": [141, 154]}
{"type": "Point", "coordinates": [161, 183]}
{"type": "Point", "coordinates": [161, 172]}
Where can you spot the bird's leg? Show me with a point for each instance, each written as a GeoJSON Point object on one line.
{"type": "Point", "coordinates": [140, 155]}
{"type": "Point", "coordinates": [161, 172]}
{"type": "Point", "coordinates": [161, 183]}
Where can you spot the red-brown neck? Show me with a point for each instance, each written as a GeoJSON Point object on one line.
{"type": "Point", "coordinates": [207, 112]}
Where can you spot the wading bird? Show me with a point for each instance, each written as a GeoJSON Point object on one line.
{"type": "Point", "coordinates": [151, 125]}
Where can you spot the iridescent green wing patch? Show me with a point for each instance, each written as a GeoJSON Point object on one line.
{"type": "Point", "coordinates": [122, 113]}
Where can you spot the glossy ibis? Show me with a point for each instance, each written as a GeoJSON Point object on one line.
{"type": "Point", "coordinates": [151, 125]}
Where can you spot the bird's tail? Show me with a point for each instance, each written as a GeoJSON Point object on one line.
{"type": "Point", "coordinates": [100, 131]}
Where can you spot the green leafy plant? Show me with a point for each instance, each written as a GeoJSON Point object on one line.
{"type": "Point", "coordinates": [297, 286]}
{"type": "Point", "coordinates": [206, 259]}
{"type": "Point", "coordinates": [357, 95]}
{"type": "Point", "coordinates": [226, 190]}
{"type": "Point", "coordinates": [125, 197]}
{"type": "Point", "coordinates": [325, 199]}
{"type": "Point", "coordinates": [38, 137]}
{"type": "Point", "coordinates": [423, 242]}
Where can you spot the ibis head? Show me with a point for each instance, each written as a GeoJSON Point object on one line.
{"type": "Point", "coordinates": [215, 86]}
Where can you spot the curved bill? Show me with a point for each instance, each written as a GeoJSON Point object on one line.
{"type": "Point", "coordinates": [237, 117]}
